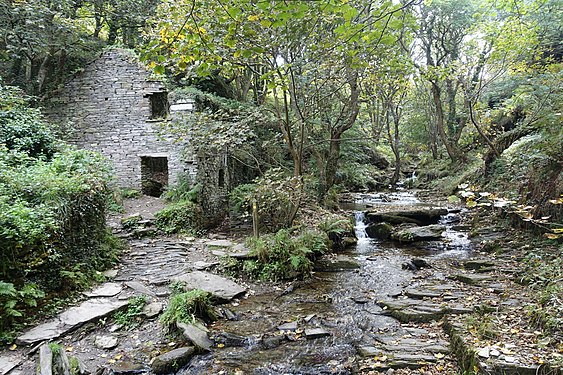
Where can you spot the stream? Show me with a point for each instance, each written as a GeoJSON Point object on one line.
{"type": "Point", "coordinates": [341, 302]}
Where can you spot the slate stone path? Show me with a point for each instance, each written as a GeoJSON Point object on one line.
{"type": "Point", "coordinates": [146, 267]}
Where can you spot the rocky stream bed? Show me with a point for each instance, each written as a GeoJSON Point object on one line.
{"type": "Point", "coordinates": [411, 301]}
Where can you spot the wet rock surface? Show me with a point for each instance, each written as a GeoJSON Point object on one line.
{"type": "Point", "coordinates": [219, 287]}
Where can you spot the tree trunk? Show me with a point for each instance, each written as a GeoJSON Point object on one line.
{"type": "Point", "coordinates": [394, 140]}
{"type": "Point", "coordinates": [347, 122]}
{"type": "Point", "coordinates": [42, 73]}
{"type": "Point", "coordinates": [436, 95]}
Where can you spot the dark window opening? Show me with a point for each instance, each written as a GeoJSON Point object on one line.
{"type": "Point", "coordinates": [221, 178]}
{"type": "Point", "coordinates": [159, 105]}
{"type": "Point", "coordinates": [154, 175]}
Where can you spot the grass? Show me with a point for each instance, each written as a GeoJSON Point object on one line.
{"type": "Point", "coordinates": [185, 307]}
{"type": "Point", "coordinates": [132, 316]}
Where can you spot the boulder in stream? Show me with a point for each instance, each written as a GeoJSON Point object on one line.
{"type": "Point", "coordinates": [219, 287]}
{"type": "Point", "coordinates": [379, 230]}
{"type": "Point", "coordinates": [413, 234]}
{"type": "Point", "coordinates": [172, 361]}
{"type": "Point", "coordinates": [197, 334]}
{"type": "Point", "coordinates": [415, 216]}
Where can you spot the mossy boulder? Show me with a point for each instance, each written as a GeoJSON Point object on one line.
{"type": "Point", "coordinates": [380, 230]}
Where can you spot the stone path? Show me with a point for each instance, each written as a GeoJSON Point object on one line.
{"type": "Point", "coordinates": [147, 267]}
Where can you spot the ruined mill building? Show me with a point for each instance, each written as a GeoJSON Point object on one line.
{"type": "Point", "coordinates": [114, 107]}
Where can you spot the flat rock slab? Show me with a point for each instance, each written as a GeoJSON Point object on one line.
{"type": "Point", "coordinates": [138, 287]}
{"type": "Point", "coordinates": [471, 279]}
{"type": "Point", "coordinates": [106, 342]}
{"type": "Point", "coordinates": [105, 290]}
{"type": "Point", "coordinates": [421, 293]}
{"type": "Point", "coordinates": [368, 351]}
{"type": "Point", "coordinates": [315, 333]}
{"type": "Point", "coordinates": [417, 216]}
{"type": "Point", "coordinates": [73, 318]}
{"type": "Point", "coordinates": [152, 309]}
{"type": "Point", "coordinates": [219, 244]}
{"type": "Point", "coordinates": [197, 335]}
{"type": "Point", "coordinates": [338, 263]}
{"type": "Point", "coordinates": [127, 368]}
{"type": "Point", "coordinates": [413, 234]}
{"type": "Point", "coordinates": [8, 362]}
{"type": "Point", "coordinates": [291, 326]}
{"type": "Point", "coordinates": [219, 287]}
{"type": "Point", "coordinates": [477, 264]}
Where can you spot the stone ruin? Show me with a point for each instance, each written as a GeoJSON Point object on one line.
{"type": "Point", "coordinates": [114, 107]}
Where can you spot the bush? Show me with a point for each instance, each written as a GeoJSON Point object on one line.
{"type": "Point", "coordinates": [21, 128]}
{"type": "Point", "coordinates": [186, 307]}
{"type": "Point", "coordinates": [53, 201]}
{"type": "Point", "coordinates": [276, 195]}
{"type": "Point", "coordinates": [283, 255]}
{"type": "Point", "coordinates": [52, 215]}
{"type": "Point", "coordinates": [180, 217]}
{"type": "Point", "coordinates": [13, 302]}
{"type": "Point", "coordinates": [184, 190]}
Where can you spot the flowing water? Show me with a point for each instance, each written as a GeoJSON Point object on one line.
{"type": "Point", "coordinates": [342, 303]}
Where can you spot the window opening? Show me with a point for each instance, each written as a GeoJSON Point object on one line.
{"type": "Point", "coordinates": [221, 178]}
{"type": "Point", "coordinates": [159, 105]}
{"type": "Point", "coordinates": [154, 175]}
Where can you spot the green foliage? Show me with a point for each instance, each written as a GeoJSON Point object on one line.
{"type": "Point", "coordinates": [336, 225]}
{"type": "Point", "coordinates": [543, 273]}
{"type": "Point", "coordinates": [132, 316]}
{"type": "Point", "coordinates": [52, 214]}
{"type": "Point", "coordinates": [276, 196]}
{"type": "Point", "coordinates": [283, 255]}
{"type": "Point", "coordinates": [53, 203]}
{"type": "Point", "coordinates": [14, 302]}
{"type": "Point", "coordinates": [184, 190]}
{"type": "Point", "coordinates": [129, 193]}
{"type": "Point", "coordinates": [180, 217]}
{"type": "Point", "coordinates": [22, 128]}
{"type": "Point", "coordinates": [186, 307]}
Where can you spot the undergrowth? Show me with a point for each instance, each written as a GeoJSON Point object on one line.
{"type": "Point", "coordinates": [185, 307]}
{"type": "Point", "coordinates": [282, 255]}
{"type": "Point", "coordinates": [132, 316]}
{"type": "Point", "coordinates": [183, 217]}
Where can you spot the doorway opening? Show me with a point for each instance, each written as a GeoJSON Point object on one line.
{"type": "Point", "coordinates": [154, 175]}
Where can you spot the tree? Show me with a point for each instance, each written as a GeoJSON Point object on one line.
{"type": "Point", "coordinates": [309, 56]}
{"type": "Point", "coordinates": [443, 25]}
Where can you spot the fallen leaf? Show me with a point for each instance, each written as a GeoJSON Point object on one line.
{"type": "Point", "coordinates": [13, 347]}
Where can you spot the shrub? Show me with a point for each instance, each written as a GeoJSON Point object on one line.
{"type": "Point", "coordinates": [180, 217]}
{"type": "Point", "coordinates": [22, 128]}
{"type": "Point", "coordinates": [53, 201]}
{"type": "Point", "coordinates": [283, 255]}
{"type": "Point", "coordinates": [276, 195]}
{"type": "Point", "coordinates": [14, 302]}
{"type": "Point", "coordinates": [184, 190]}
{"type": "Point", "coordinates": [186, 307]}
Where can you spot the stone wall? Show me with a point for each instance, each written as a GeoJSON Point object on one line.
{"type": "Point", "coordinates": [108, 108]}
{"type": "Point", "coordinates": [214, 175]}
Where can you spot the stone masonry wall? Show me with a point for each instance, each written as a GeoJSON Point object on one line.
{"type": "Point", "coordinates": [107, 109]}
